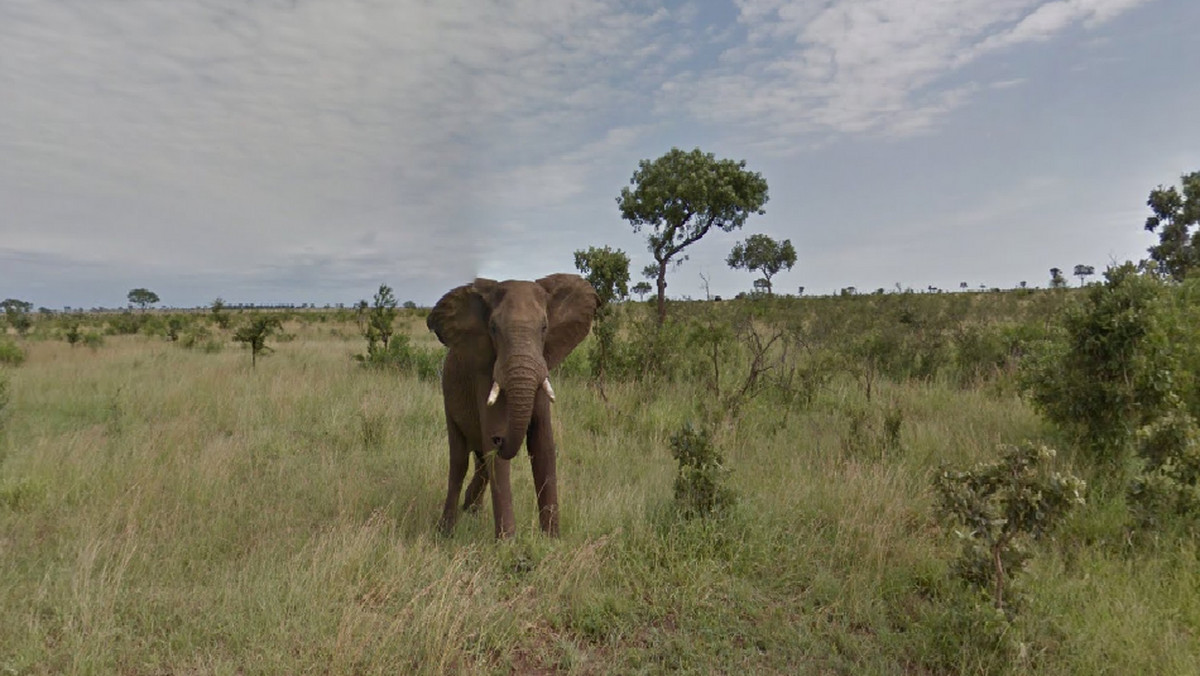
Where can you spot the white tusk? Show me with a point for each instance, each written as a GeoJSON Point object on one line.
{"type": "Point", "coordinates": [549, 390]}
{"type": "Point", "coordinates": [494, 394]}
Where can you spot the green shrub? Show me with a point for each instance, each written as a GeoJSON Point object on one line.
{"type": "Point", "coordinates": [998, 508]}
{"type": "Point", "coordinates": [195, 336]}
{"type": "Point", "coordinates": [10, 352]}
{"type": "Point", "coordinates": [127, 323]}
{"type": "Point", "coordinates": [700, 489]}
{"type": "Point", "coordinates": [650, 351]}
{"type": "Point", "coordinates": [254, 334]}
{"type": "Point", "coordinates": [401, 355]}
{"type": "Point", "coordinates": [1168, 487]}
{"type": "Point", "coordinates": [1113, 370]}
{"type": "Point", "coordinates": [93, 340]}
{"type": "Point", "coordinates": [72, 334]}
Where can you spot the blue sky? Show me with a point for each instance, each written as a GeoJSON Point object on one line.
{"type": "Point", "coordinates": [309, 150]}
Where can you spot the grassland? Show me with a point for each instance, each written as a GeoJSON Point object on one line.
{"type": "Point", "coordinates": [169, 511]}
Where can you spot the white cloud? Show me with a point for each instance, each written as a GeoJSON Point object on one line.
{"type": "Point", "coordinates": [883, 67]}
{"type": "Point", "coordinates": [223, 135]}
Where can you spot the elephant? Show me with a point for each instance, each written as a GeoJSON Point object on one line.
{"type": "Point", "coordinates": [503, 340]}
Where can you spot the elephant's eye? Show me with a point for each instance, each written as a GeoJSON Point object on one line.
{"type": "Point", "coordinates": [492, 327]}
{"type": "Point", "coordinates": [545, 327]}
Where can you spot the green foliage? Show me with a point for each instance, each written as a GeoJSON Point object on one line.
{"type": "Point", "coordinates": [400, 354]}
{"type": "Point", "coordinates": [126, 323]}
{"type": "Point", "coordinates": [999, 508]}
{"type": "Point", "coordinates": [1082, 271]}
{"type": "Point", "coordinates": [607, 270]}
{"type": "Point", "coordinates": [641, 289]}
{"type": "Point", "coordinates": [71, 332]}
{"type": "Point", "coordinates": [219, 316]}
{"type": "Point", "coordinates": [11, 353]}
{"type": "Point", "coordinates": [1113, 370]}
{"type": "Point", "coordinates": [1168, 487]}
{"type": "Point", "coordinates": [196, 335]}
{"type": "Point", "coordinates": [650, 351]}
{"type": "Point", "coordinates": [93, 340]}
{"type": "Point", "coordinates": [1057, 281]}
{"type": "Point", "coordinates": [378, 321]}
{"type": "Point", "coordinates": [254, 334]}
{"type": "Point", "coordinates": [142, 297]}
{"type": "Point", "coordinates": [681, 196]}
{"type": "Point", "coordinates": [16, 312]}
{"type": "Point", "coordinates": [762, 254]}
{"type": "Point", "coordinates": [1176, 213]}
{"type": "Point", "coordinates": [173, 326]}
{"type": "Point", "coordinates": [700, 484]}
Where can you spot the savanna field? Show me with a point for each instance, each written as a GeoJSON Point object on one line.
{"type": "Point", "coordinates": [166, 508]}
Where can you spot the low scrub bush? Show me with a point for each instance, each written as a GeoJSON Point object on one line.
{"type": "Point", "coordinates": [11, 353]}
{"type": "Point", "coordinates": [700, 484]}
{"type": "Point", "coordinates": [402, 355]}
{"type": "Point", "coordinates": [127, 323]}
{"type": "Point", "coordinates": [998, 509]}
{"type": "Point", "coordinates": [1168, 487]}
{"type": "Point", "coordinates": [195, 336]}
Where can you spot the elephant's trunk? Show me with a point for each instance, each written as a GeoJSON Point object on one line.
{"type": "Point", "coordinates": [523, 377]}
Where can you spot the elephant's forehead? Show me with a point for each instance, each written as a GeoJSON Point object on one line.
{"type": "Point", "coordinates": [523, 294]}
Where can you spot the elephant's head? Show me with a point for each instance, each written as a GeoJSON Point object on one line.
{"type": "Point", "coordinates": [521, 330]}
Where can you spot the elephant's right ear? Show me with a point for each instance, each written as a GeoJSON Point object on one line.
{"type": "Point", "coordinates": [461, 315]}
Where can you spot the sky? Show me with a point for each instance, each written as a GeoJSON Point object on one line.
{"type": "Point", "coordinates": [307, 151]}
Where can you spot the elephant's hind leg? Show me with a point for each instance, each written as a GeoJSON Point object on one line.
{"type": "Point", "coordinates": [478, 483]}
{"type": "Point", "coordinates": [459, 459]}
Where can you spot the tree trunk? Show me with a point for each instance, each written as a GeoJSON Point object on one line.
{"type": "Point", "coordinates": [662, 292]}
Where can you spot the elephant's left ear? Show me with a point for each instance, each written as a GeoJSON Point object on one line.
{"type": "Point", "coordinates": [569, 310]}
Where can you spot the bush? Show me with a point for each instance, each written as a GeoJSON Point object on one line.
{"type": "Point", "coordinates": [126, 323]}
{"type": "Point", "coordinates": [254, 334]}
{"type": "Point", "coordinates": [1001, 507]}
{"type": "Point", "coordinates": [401, 355]}
{"type": "Point", "coordinates": [652, 351]}
{"type": "Point", "coordinates": [1113, 370]}
{"type": "Point", "coordinates": [1168, 487]}
{"type": "Point", "coordinates": [11, 353]}
{"type": "Point", "coordinates": [700, 489]}
{"type": "Point", "coordinates": [195, 336]}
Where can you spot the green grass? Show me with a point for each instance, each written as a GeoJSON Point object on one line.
{"type": "Point", "coordinates": [165, 510]}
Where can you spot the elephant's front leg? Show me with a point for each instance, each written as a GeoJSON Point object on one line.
{"type": "Point", "coordinates": [478, 483]}
{"type": "Point", "coordinates": [502, 509]}
{"type": "Point", "coordinates": [542, 455]}
{"type": "Point", "coordinates": [459, 459]}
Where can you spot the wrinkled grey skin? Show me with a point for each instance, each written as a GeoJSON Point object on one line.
{"type": "Point", "coordinates": [509, 334]}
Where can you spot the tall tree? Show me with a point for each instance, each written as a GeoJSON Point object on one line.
{"type": "Point", "coordinates": [1175, 214]}
{"type": "Point", "coordinates": [142, 297]}
{"type": "Point", "coordinates": [1057, 281]}
{"type": "Point", "coordinates": [762, 254]}
{"type": "Point", "coordinates": [607, 270]}
{"type": "Point", "coordinates": [641, 289]}
{"type": "Point", "coordinates": [1082, 271]}
{"type": "Point", "coordinates": [680, 197]}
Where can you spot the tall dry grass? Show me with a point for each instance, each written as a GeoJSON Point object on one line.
{"type": "Point", "coordinates": [165, 510]}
